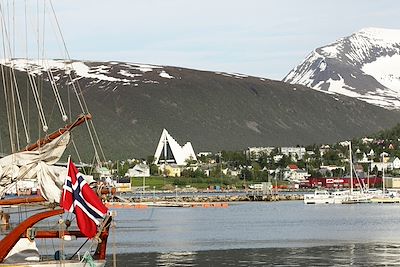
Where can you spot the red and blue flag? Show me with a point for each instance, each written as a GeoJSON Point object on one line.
{"type": "Point", "coordinates": [79, 198]}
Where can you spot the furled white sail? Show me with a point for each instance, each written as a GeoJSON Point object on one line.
{"type": "Point", "coordinates": [37, 164]}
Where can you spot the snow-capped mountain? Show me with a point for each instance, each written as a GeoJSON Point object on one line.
{"type": "Point", "coordinates": [365, 65]}
{"type": "Point", "coordinates": [131, 103]}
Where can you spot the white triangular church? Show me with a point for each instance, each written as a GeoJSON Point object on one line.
{"type": "Point", "coordinates": [170, 152]}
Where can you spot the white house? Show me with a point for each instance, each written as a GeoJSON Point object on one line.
{"type": "Point", "coordinates": [331, 167]}
{"type": "Point", "coordinates": [379, 165]}
{"type": "Point", "coordinates": [371, 153]}
{"type": "Point", "coordinates": [277, 158]}
{"type": "Point", "coordinates": [104, 173]}
{"type": "Point", "coordinates": [170, 152]}
{"type": "Point", "coordinates": [293, 152]}
{"type": "Point", "coordinates": [367, 140]}
{"type": "Point", "coordinates": [256, 152]}
{"type": "Point", "coordinates": [205, 154]}
{"type": "Point", "coordinates": [139, 170]}
{"type": "Point", "coordinates": [295, 175]}
{"type": "Point", "coordinates": [394, 163]}
{"type": "Point", "coordinates": [323, 149]}
{"type": "Point", "coordinates": [364, 159]}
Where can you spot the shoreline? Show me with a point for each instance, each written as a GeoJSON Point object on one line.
{"type": "Point", "coordinates": [202, 198]}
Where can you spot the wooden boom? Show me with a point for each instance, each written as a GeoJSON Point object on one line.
{"type": "Point", "coordinates": [22, 200]}
{"type": "Point", "coordinates": [41, 142]}
{"type": "Point", "coordinates": [8, 242]}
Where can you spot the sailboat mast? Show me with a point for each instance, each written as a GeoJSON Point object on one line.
{"type": "Point", "coordinates": [383, 174]}
{"type": "Point", "coordinates": [351, 169]}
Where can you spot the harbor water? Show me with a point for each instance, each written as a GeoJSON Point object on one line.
{"type": "Point", "coordinates": [258, 234]}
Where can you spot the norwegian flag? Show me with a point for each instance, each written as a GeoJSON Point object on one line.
{"type": "Point", "coordinates": [79, 198]}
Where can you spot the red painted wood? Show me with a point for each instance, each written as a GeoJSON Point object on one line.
{"type": "Point", "coordinates": [8, 242]}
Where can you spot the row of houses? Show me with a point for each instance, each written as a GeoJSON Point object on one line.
{"type": "Point", "coordinates": [172, 159]}
{"type": "Point", "coordinates": [295, 153]}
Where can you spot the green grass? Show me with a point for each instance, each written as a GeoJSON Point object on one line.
{"type": "Point", "coordinates": [156, 181]}
{"type": "Point", "coordinates": [170, 182]}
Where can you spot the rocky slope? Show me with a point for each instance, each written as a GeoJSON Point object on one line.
{"type": "Point", "coordinates": [132, 103]}
{"type": "Point", "coordinates": [365, 65]}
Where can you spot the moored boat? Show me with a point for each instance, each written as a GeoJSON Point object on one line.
{"type": "Point", "coordinates": [65, 210]}
{"type": "Point", "coordinates": [325, 197]}
{"type": "Point", "coordinates": [18, 247]}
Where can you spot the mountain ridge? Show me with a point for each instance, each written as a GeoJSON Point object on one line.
{"type": "Point", "coordinates": [348, 67]}
{"type": "Point", "coordinates": [132, 103]}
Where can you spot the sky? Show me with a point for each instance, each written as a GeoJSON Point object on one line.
{"type": "Point", "coordinates": [265, 38]}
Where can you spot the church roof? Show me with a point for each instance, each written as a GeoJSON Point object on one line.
{"type": "Point", "coordinates": [170, 152]}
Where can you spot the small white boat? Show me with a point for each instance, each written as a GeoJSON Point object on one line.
{"type": "Point", "coordinates": [324, 197]}
{"type": "Point", "coordinates": [357, 197]}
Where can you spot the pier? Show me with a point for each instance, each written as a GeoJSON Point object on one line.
{"type": "Point", "coordinates": [195, 199]}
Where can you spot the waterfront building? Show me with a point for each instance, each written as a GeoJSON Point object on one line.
{"type": "Point", "coordinates": [392, 182]}
{"type": "Point", "coordinates": [341, 182]}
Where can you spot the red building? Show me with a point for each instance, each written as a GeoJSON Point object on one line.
{"type": "Point", "coordinates": [341, 182]}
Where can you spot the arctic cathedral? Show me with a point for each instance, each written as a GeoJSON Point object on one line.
{"type": "Point", "coordinates": [170, 152]}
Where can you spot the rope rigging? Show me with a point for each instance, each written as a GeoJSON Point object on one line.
{"type": "Point", "coordinates": [79, 94]}
{"type": "Point", "coordinates": [35, 85]}
{"type": "Point", "coordinates": [13, 87]}
{"type": "Point", "coordinates": [14, 105]}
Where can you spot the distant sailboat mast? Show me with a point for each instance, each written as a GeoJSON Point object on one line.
{"type": "Point", "coordinates": [351, 169]}
{"type": "Point", "coordinates": [383, 174]}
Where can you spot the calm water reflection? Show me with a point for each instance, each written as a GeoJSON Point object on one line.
{"type": "Point", "coordinates": [345, 255]}
{"type": "Point", "coordinates": [251, 234]}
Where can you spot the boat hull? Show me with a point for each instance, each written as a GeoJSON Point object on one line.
{"type": "Point", "coordinates": [323, 197]}
{"type": "Point", "coordinates": [385, 200]}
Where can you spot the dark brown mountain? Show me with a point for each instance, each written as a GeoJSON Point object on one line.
{"type": "Point", "coordinates": [132, 103]}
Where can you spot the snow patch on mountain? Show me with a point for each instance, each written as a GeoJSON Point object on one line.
{"type": "Point", "coordinates": [386, 70]}
{"type": "Point", "coordinates": [98, 73]}
{"type": "Point", "coordinates": [130, 72]}
{"type": "Point", "coordinates": [340, 87]}
{"type": "Point", "coordinates": [232, 75]}
{"type": "Point", "coordinates": [365, 65]}
{"type": "Point", "coordinates": [143, 67]}
{"type": "Point", "coordinates": [306, 70]}
{"type": "Point", "coordinates": [166, 75]}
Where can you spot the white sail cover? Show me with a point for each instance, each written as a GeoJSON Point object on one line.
{"type": "Point", "coordinates": [37, 165]}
